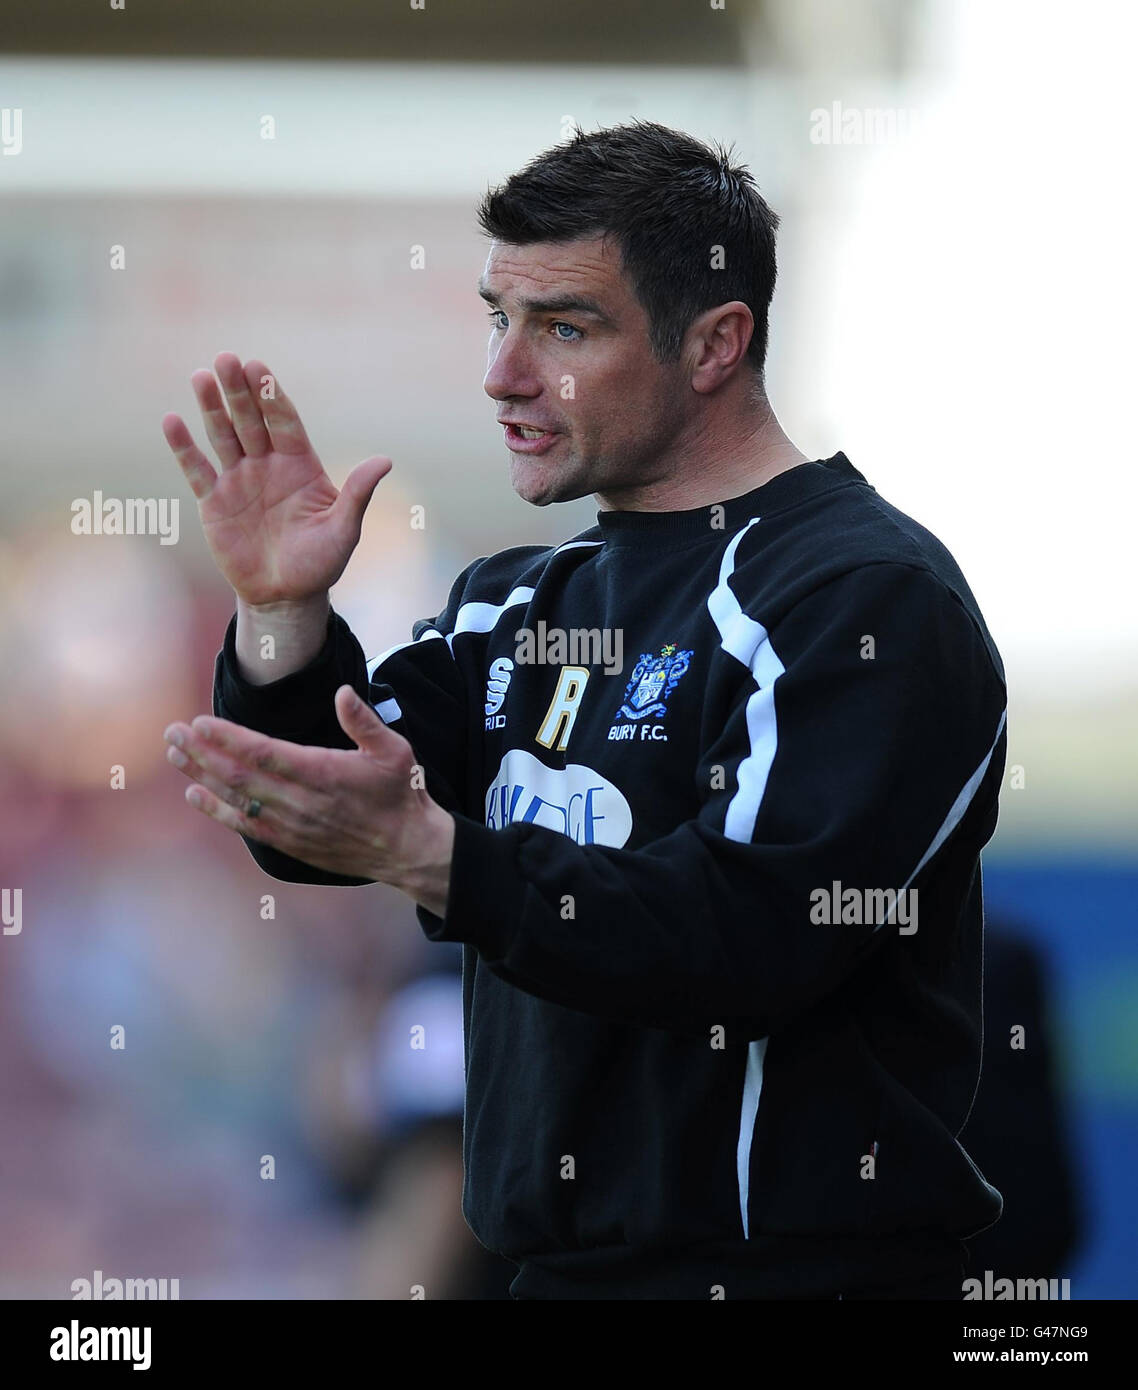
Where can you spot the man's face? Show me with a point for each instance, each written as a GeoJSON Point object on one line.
{"type": "Point", "coordinates": [569, 355]}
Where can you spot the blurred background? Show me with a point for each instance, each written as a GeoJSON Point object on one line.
{"type": "Point", "coordinates": [955, 311]}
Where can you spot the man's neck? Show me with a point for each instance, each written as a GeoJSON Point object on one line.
{"type": "Point", "coordinates": [714, 464]}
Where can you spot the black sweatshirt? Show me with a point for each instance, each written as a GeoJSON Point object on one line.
{"type": "Point", "coordinates": [721, 910]}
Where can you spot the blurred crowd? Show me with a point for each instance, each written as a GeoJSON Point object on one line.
{"type": "Point", "coordinates": [251, 1031]}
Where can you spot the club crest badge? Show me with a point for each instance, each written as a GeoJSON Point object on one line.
{"type": "Point", "coordinates": [653, 680]}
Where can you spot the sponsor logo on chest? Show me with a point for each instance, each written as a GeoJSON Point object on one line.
{"type": "Point", "coordinates": [574, 800]}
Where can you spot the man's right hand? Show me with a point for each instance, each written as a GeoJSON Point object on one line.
{"type": "Point", "coordinates": [278, 530]}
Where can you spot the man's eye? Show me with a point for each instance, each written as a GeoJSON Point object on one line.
{"type": "Point", "coordinates": [497, 314]}
{"type": "Point", "coordinates": [569, 326]}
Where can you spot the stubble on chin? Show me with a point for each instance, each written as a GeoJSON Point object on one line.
{"type": "Point", "coordinates": [541, 484]}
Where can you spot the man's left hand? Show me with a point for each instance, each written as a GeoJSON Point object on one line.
{"type": "Point", "coordinates": [364, 814]}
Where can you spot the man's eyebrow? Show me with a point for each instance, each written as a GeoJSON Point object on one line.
{"type": "Point", "coordinates": [552, 304]}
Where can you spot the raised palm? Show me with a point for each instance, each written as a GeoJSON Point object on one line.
{"type": "Point", "coordinates": [278, 529]}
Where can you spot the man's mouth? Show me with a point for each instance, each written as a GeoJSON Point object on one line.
{"type": "Point", "coordinates": [524, 428]}
{"type": "Point", "coordinates": [523, 438]}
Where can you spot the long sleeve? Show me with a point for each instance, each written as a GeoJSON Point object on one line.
{"type": "Point", "coordinates": [415, 688]}
{"type": "Point", "coordinates": [298, 708]}
{"type": "Point", "coordinates": [863, 746]}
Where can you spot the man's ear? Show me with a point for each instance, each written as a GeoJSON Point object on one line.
{"type": "Point", "coordinates": [719, 340]}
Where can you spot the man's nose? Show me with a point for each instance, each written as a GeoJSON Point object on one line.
{"type": "Point", "coordinates": [510, 370]}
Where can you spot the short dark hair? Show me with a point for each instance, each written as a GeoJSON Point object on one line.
{"type": "Point", "coordinates": [670, 201]}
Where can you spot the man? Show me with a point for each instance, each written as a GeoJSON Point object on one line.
{"type": "Point", "coordinates": [721, 914]}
